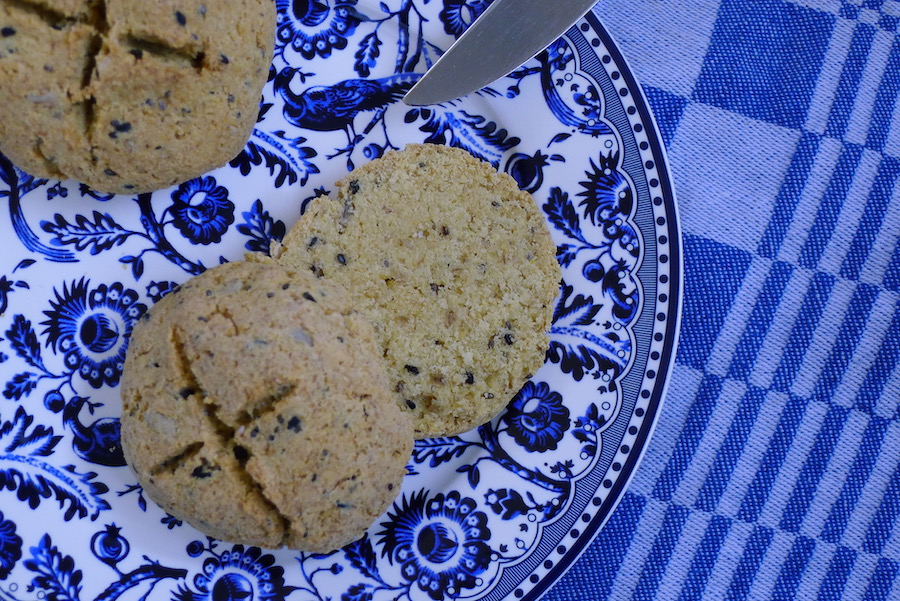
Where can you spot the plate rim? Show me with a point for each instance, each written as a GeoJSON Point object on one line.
{"type": "Point", "coordinates": [592, 529]}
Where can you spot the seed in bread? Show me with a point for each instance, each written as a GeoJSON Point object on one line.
{"type": "Point", "coordinates": [130, 96]}
{"type": "Point", "coordinates": [454, 266]}
{"type": "Point", "coordinates": [256, 408]}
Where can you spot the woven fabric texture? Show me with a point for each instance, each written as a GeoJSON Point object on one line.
{"type": "Point", "coordinates": [774, 472]}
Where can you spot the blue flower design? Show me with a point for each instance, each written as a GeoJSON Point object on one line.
{"type": "Point", "coordinates": [607, 193]}
{"type": "Point", "coordinates": [235, 575]}
{"type": "Point", "coordinates": [441, 543]}
{"type": "Point", "coordinates": [457, 15]}
{"type": "Point", "coordinates": [10, 547]}
{"type": "Point", "coordinates": [157, 290]}
{"type": "Point", "coordinates": [201, 210]}
{"type": "Point", "coordinates": [536, 417]}
{"type": "Point", "coordinates": [91, 328]}
{"type": "Point", "coordinates": [315, 27]}
{"type": "Point", "coordinates": [109, 546]}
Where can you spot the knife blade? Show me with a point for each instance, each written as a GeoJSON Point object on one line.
{"type": "Point", "coordinates": [506, 35]}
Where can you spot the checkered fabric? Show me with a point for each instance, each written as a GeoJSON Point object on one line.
{"type": "Point", "coordinates": [774, 472]}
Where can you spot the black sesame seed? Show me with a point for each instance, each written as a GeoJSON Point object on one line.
{"type": "Point", "coordinates": [410, 404]}
{"type": "Point", "coordinates": [110, 172]}
{"type": "Point", "coordinates": [285, 286]}
{"type": "Point", "coordinates": [199, 472]}
{"type": "Point", "coordinates": [186, 392]}
{"type": "Point", "coordinates": [309, 297]}
{"type": "Point", "coordinates": [341, 259]}
{"type": "Point", "coordinates": [179, 16]}
{"type": "Point", "coordinates": [241, 454]}
{"type": "Point", "coordinates": [224, 59]}
{"type": "Point", "coordinates": [354, 186]}
{"type": "Point", "coordinates": [508, 338]}
{"type": "Point", "coordinates": [7, 32]}
{"type": "Point", "coordinates": [312, 242]}
{"type": "Point", "coordinates": [470, 378]}
{"type": "Point", "coordinates": [270, 294]}
{"type": "Point", "coordinates": [412, 369]}
{"type": "Point", "coordinates": [445, 231]}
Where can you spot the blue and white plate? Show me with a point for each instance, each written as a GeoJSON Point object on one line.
{"type": "Point", "coordinates": [497, 513]}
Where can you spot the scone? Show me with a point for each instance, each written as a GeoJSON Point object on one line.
{"type": "Point", "coordinates": [130, 96]}
{"type": "Point", "coordinates": [455, 268]}
{"type": "Point", "coordinates": [256, 408]}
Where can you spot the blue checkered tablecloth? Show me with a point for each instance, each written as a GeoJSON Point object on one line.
{"type": "Point", "coordinates": [774, 472]}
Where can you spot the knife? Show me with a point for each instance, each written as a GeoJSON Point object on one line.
{"type": "Point", "coordinates": [506, 35]}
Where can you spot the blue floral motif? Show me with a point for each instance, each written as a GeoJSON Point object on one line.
{"type": "Point", "coordinates": [201, 210]}
{"type": "Point", "coordinates": [285, 157]}
{"type": "Point", "coordinates": [157, 290]}
{"type": "Point", "coordinates": [475, 133]}
{"type": "Point", "coordinates": [233, 575]}
{"type": "Point", "coordinates": [536, 417]}
{"type": "Point", "coordinates": [457, 15]}
{"type": "Point", "coordinates": [57, 577]}
{"type": "Point", "coordinates": [441, 543]}
{"type": "Point", "coordinates": [27, 467]}
{"type": "Point", "coordinates": [572, 96]}
{"type": "Point", "coordinates": [92, 328]}
{"type": "Point", "coordinates": [261, 228]}
{"type": "Point", "coordinates": [10, 546]}
{"type": "Point", "coordinates": [606, 194]}
{"type": "Point", "coordinates": [109, 546]}
{"type": "Point", "coordinates": [315, 27]}
{"type": "Point", "coordinates": [528, 170]}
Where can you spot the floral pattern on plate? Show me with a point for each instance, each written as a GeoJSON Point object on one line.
{"type": "Point", "coordinates": [499, 512]}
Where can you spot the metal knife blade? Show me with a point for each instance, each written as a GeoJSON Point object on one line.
{"type": "Point", "coordinates": [506, 35]}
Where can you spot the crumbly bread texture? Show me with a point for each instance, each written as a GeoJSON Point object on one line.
{"type": "Point", "coordinates": [130, 96]}
{"type": "Point", "coordinates": [257, 409]}
{"type": "Point", "coordinates": [454, 266]}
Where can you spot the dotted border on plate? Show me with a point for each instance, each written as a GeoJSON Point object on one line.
{"type": "Point", "coordinates": [662, 302]}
